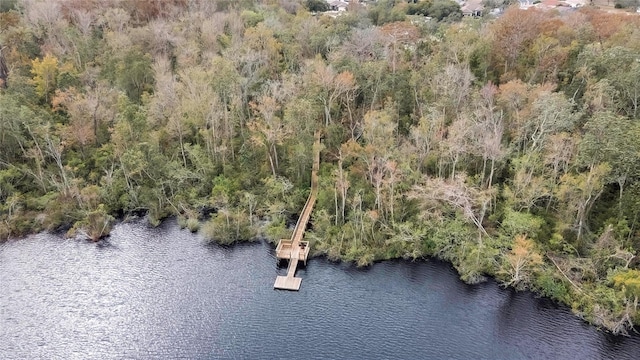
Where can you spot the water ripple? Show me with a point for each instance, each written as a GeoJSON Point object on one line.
{"type": "Point", "coordinates": [164, 294]}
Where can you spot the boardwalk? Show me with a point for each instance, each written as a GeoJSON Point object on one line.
{"type": "Point", "coordinates": [295, 249]}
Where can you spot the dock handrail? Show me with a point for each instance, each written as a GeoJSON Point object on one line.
{"type": "Point", "coordinates": [298, 231]}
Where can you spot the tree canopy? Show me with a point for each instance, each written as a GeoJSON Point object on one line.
{"type": "Point", "coordinates": [506, 145]}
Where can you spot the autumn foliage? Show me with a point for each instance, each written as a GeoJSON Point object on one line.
{"type": "Point", "coordinates": [506, 146]}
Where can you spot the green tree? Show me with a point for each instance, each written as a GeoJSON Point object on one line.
{"type": "Point", "coordinates": [612, 139]}
{"type": "Point", "coordinates": [577, 194]}
{"type": "Point", "coordinates": [134, 74]}
{"type": "Point", "coordinates": [317, 5]}
{"type": "Point", "coordinates": [45, 73]}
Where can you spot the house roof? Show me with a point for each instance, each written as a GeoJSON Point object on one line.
{"type": "Point", "coordinates": [472, 5]}
{"type": "Point", "coordinates": [338, 3]}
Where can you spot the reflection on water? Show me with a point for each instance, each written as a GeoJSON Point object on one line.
{"type": "Point", "coordinates": [162, 293]}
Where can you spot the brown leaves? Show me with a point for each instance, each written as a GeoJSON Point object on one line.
{"type": "Point", "coordinates": [80, 131]}
{"type": "Point", "coordinates": [327, 78]}
{"type": "Point", "coordinates": [606, 24]}
{"type": "Point", "coordinates": [329, 85]}
{"type": "Point", "coordinates": [344, 81]}
{"type": "Point", "coordinates": [522, 260]}
{"type": "Point", "coordinates": [401, 32]}
{"type": "Point", "coordinates": [513, 32]}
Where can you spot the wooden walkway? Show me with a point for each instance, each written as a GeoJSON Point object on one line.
{"type": "Point", "coordinates": [295, 249]}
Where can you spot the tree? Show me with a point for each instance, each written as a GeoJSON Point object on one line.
{"type": "Point", "coordinates": [445, 9]}
{"type": "Point", "coordinates": [472, 202]}
{"type": "Point", "coordinates": [462, 41]}
{"type": "Point", "coordinates": [628, 82]}
{"type": "Point", "coordinates": [529, 185]}
{"type": "Point", "coordinates": [551, 113]}
{"type": "Point", "coordinates": [226, 84]}
{"type": "Point", "coordinates": [89, 112]}
{"type": "Point", "coordinates": [98, 223]}
{"type": "Point", "coordinates": [397, 36]}
{"type": "Point", "coordinates": [560, 153]}
{"type": "Point", "coordinates": [262, 51]}
{"type": "Point", "coordinates": [609, 251]}
{"type": "Point", "coordinates": [451, 89]}
{"type": "Point", "coordinates": [385, 11]}
{"type": "Point", "coordinates": [45, 73]}
{"type": "Point", "coordinates": [134, 74]}
{"type": "Point", "coordinates": [456, 145]}
{"type": "Point", "coordinates": [513, 33]}
{"type": "Point", "coordinates": [4, 70]}
{"type": "Point", "coordinates": [606, 24]}
{"type": "Point", "coordinates": [197, 108]}
{"type": "Point", "coordinates": [577, 194]}
{"type": "Point", "coordinates": [330, 85]}
{"type": "Point", "coordinates": [522, 261]}
{"type": "Point", "coordinates": [549, 57]}
{"type": "Point", "coordinates": [489, 129]}
{"type": "Point", "coordinates": [600, 96]}
{"type": "Point", "coordinates": [513, 98]}
{"type": "Point", "coordinates": [49, 145]}
{"type": "Point", "coordinates": [378, 154]}
{"type": "Point", "coordinates": [267, 129]}
{"type": "Point", "coordinates": [629, 282]}
{"type": "Point", "coordinates": [427, 134]}
{"type": "Point", "coordinates": [341, 187]}
{"type": "Point", "coordinates": [615, 67]}
{"type": "Point", "coordinates": [611, 139]}
{"type": "Point", "coordinates": [317, 5]}
{"type": "Point", "coordinates": [12, 138]}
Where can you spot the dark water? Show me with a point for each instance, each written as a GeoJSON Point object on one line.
{"type": "Point", "coordinates": [162, 293]}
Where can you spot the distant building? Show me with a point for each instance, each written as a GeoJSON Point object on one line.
{"type": "Point", "coordinates": [338, 5]}
{"type": "Point", "coordinates": [525, 4]}
{"type": "Point", "coordinates": [548, 4]}
{"type": "Point", "coordinates": [575, 3]}
{"type": "Point", "coordinates": [472, 8]}
{"type": "Point", "coordinates": [552, 4]}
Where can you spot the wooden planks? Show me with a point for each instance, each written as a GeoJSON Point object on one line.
{"type": "Point", "coordinates": [287, 283]}
{"type": "Point", "coordinates": [293, 265]}
{"type": "Point", "coordinates": [294, 249]}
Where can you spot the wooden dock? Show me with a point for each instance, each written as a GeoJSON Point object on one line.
{"type": "Point", "coordinates": [294, 249]}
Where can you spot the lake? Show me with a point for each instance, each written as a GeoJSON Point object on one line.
{"type": "Point", "coordinates": [163, 293]}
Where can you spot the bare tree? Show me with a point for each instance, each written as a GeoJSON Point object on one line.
{"type": "Point", "coordinates": [487, 131]}
{"type": "Point", "coordinates": [427, 135]}
{"type": "Point", "coordinates": [452, 88]}
{"type": "Point", "coordinates": [331, 86]}
{"type": "Point", "coordinates": [455, 145]}
{"type": "Point", "coordinates": [471, 201]}
{"type": "Point", "coordinates": [268, 129]}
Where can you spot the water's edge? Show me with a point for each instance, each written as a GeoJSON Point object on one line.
{"type": "Point", "coordinates": [165, 293]}
{"type": "Point", "coordinates": [142, 221]}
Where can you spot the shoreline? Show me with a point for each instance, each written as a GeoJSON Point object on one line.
{"type": "Point", "coordinates": [486, 278]}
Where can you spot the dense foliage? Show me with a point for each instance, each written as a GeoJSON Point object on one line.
{"type": "Point", "coordinates": [507, 147]}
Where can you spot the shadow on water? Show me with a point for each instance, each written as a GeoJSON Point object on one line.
{"type": "Point", "coordinates": [106, 244]}
{"type": "Point", "coordinates": [611, 344]}
{"type": "Point", "coordinates": [230, 250]}
{"type": "Point", "coordinates": [510, 311]}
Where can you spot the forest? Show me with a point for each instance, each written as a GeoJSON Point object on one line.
{"type": "Point", "coordinates": [505, 145]}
